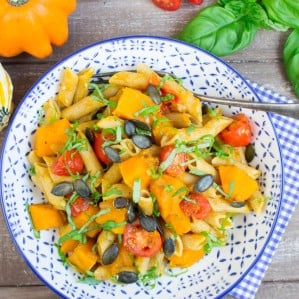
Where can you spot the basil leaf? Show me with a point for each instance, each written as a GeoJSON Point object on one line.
{"type": "Point", "coordinates": [254, 12]}
{"type": "Point", "coordinates": [283, 11]}
{"type": "Point", "coordinates": [291, 59]}
{"type": "Point", "coordinates": [219, 31]}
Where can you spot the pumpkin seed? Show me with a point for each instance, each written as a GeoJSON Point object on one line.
{"type": "Point", "coordinates": [129, 128]}
{"type": "Point", "coordinates": [141, 125]}
{"type": "Point", "coordinates": [142, 141]}
{"type": "Point", "coordinates": [134, 126]}
{"type": "Point", "coordinates": [249, 152]}
{"type": "Point", "coordinates": [62, 189]}
{"type": "Point", "coordinates": [237, 204]}
{"type": "Point", "coordinates": [169, 246]}
{"type": "Point", "coordinates": [149, 223]}
{"type": "Point", "coordinates": [127, 277]}
{"type": "Point", "coordinates": [203, 183]}
{"type": "Point", "coordinates": [110, 254]}
{"type": "Point", "coordinates": [112, 154]}
{"type": "Point", "coordinates": [160, 227]}
{"type": "Point", "coordinates": [120, 202]}
{"type": "Point", "coordinates": [154, 94]}
{"type": "Point", "coordinates": [89, 135]}
{"type": "Point", "coordinates": [81, 188]}
{"type": "Point", "coordinates": [132, 212]}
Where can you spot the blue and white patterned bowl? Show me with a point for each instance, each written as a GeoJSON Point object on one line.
{"type": "Point", "coordinates": [217, 273]}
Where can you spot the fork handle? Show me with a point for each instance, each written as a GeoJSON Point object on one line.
{"type": "Point", "coordinates": [286, 109]}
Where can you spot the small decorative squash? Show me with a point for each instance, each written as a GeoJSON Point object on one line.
{"type": "Point", "coordinates": [33, 25]}
{"type": "Point", "coordinates": [6, 90]}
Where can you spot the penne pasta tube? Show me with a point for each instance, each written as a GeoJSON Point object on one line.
{"type": "Point", "coordinates": [82, 87]}
{"type": "Point", "coordinates": [193, 241]}
{"type": "Point", "coordinates": [112, 175]}
{"type": "Point", "coordinates": [43, 177]}
{"type": "Point", "coordinates": [68, 85]}
{"type": "Point", "coordinates": [92, 164]}
{"type": "Point", "coordinates": [257, 202]}
{"type": "Point", "coordinates": [81, 108]}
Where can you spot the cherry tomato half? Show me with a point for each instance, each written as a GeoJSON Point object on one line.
{"type": "Point", "coordinates": [178, 165]}
{"type": "Point", "coordinates": [170, 5]}
{"type": "Point", "coordinates": [98, 149]}
{"type": "Point", "coordinates": [78, 206]}
{"type": "Point", "coordinates": [196, 205]}
{"type": "Point", "coordinates": [238, 133]}
{"type": "Point", "coordinates": [140, 242]}
{"type": "Point", "coordinates": [70, 162]}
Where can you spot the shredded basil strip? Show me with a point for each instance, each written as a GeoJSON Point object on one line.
{"type": "Point", "coordinates": [169, 160]}
{"type": "Point", "coordinates": [212, 242]}
{"type": "Point", "coordinates": [180, 190]}
{"type": "Point", "coordinates": [136, 190]}
{"type": "Point", "coordinates": [79, 234]}
{"type": "Point", "coordinates": [111, 224]}
{"type": "Point", "coordinates": [149, 278]}
{"type": "Point", "coordinates": [73, 141]}
{"type": "Point", "coordinates": [35, 232]}
{"type": "Point", "coordinates": [148, 110]}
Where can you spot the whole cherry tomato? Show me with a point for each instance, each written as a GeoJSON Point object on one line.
{"type": "Point", "coordinates": [98, 148]}
{"type": "Point", "coordinates": [69, 163]}
{"type": "Point", "coordinates": [178, 165]}
{"type": "Point", "coordinates": [195, 205]}
{"type": "Point", "coordinates": [140, 242]}
{"type": "Point", "coordinates": [238, 133]}
{"type": "Point", "coordinates": [78, 206]}
{"type": "Point", "coordinates": [197, 2]}
{"type": "Point", "coordinates": [170, 5]}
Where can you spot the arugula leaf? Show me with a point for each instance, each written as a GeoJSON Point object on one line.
{"type": "Point", "coordinates": [291, 59]}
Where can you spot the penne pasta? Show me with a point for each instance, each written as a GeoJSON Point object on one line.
{"type": "Point", "coordinates": [148, 184]}
{"type": "Point", "coordinates": [68, 86]}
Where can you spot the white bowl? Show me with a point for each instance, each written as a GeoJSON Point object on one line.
{"type": "Point", "coordinates": [218, 272]}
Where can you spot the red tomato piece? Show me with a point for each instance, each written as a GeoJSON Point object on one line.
{"type": "Point", "coordinates": [69, 163]}
{"type": "Point", "coordinates": [78, 206]}
{"type": "Point", "coordinates": [98, 148]}
{"type": "Point", "coordinates": [196, 205]}
{"type": "Point", "coordinates": [140, 242]}
{"type": "Point", "coordinates": [197, 2]}
{"type": "Point", "coordinates": [179, 163]}
{"type": "Point", "coordinates": [170, 5]}
{"type": "Point", "coordinates": [238, 133]}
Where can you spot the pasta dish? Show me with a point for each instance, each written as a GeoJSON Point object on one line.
{"type": "Point", "coordinates": [138, 176]}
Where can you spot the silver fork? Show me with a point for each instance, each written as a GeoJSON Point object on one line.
{"type": "Point", "coordinates": [285, 109]}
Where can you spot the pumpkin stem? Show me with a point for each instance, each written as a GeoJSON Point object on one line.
{"type": "Point", "coordinates": [17, 2]}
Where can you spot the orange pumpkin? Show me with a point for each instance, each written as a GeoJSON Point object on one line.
{"type": "Point", "coordinates": [33, 25]}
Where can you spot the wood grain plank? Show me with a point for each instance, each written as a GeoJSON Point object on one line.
{"type": "Point", "coordinates": [287, 290]}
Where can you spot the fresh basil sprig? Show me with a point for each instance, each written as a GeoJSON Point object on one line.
{"type": "Point", "coordinates": [231, 25]}
{"type": "Point", "coordinates": [219, 30]}
{"type": "Point", "coordinates": [283, 11]}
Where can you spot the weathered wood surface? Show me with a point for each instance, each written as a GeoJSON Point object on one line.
{"type": "Point", "coordinates": [96, 20]}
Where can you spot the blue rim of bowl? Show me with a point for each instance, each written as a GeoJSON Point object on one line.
{"type": "Point", "coordinates": [150, 37]}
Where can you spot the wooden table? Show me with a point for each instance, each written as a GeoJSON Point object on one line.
{"type": "Point", "coordinates": [96, 20]}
